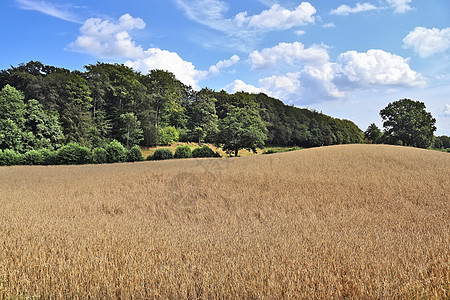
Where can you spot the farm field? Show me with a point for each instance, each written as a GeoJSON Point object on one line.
{"type": "Point", "coordinates": [349, 221]}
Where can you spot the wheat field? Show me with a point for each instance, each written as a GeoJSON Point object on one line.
{"type": "Point", "coordinates": [353, 221]}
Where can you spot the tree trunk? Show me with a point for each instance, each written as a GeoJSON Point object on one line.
{"type": "Point", "coordinates": [236, 151]}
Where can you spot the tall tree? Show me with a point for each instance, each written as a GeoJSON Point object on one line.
{"type": "Point", "coordinates": [408, 122]}
{"type": "Point", "coordinates": [131, 130]}
{"type": "Point", "coordinates": [203, 119]}
{"type": "Point", "coordinates": [241, 129]}
{"type": "Point", "coordinates": [373, 134]}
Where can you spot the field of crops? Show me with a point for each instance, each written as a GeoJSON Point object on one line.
{"type": "Point", "coordinates": [357, 221]}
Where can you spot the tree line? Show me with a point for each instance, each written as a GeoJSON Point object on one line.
{"type": "Point", "coordinates": [54, 106]}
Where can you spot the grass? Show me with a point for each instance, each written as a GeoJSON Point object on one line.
{"type": "Point", "coordinates": [354, 221]}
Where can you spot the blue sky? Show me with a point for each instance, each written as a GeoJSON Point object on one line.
{"type": "Point", "coordinates": [346, 58]}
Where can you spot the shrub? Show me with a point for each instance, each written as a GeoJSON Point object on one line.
{"type": "Point", "coordinates": [73, 154]}
{"type": "Point", "coordinates": [183, 152]}
{"type": "Point", "coordinates": [99, 156]}
{"type": "Point", "coordinates": [48, 157]}
{"type": "Point", "coordinates": [204, 151]}
{"type": "Point", "coordinates": [135, 154]}
{"type": "Point", "coordinates": [168, 135]}
{"type": "Point", "coordinates": [162, 154]}
{"type": "Point", "coordinates": [10, 158]}
{"type": "Point", "coordinates": [115, 152]}
{"type": "Point", "coordinates": [270, 151]}
{"type": "Point", "coordinates": [33, 157]}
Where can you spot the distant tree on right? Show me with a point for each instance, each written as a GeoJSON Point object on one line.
{"type": "Point", "coordinates": [407, 122]}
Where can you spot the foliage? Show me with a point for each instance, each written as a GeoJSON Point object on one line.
{"type": "Point", "coordinates": [241, 129]}
{"type": "Point", "coordinates": [183, 152]}
{"type": "Point", "coordinates": [406, 121]}
{"type": "Point", "coordinates": [442, 142]}
{"type": "Point", "coordinates": [132, 133]}
{"type": "Point", "coordinates": [112, 101]}
{"type": "Point", "coordinates": [99, 156]}
{"type": "Point", "coordinates": [115, 152]}
{"type": "Point", "coordinates": [168, 135]}
{"type": "Point", "coordinates": [373, 134]}
{"type": "Point", "coordinates": [272, 150]}
{"type": "Point", "coordinates": [73, 154]}
{"type": "Point", "coordinates": [10, 157]}
{"type": "Point", "coordinates": [135, 154]}
{"type": "Point", "coordinates": [204, 151]}
{"type": "Point", "coordinates": [32, 157]}
{"type": "Point", "coordinates": [162, 154]}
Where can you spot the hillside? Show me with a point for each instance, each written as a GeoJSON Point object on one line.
{"type": "Point", "coordinates": [359, 221]}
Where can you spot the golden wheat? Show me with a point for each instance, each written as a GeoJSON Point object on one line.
{"type": "Point", "coordinates": [356, 221]}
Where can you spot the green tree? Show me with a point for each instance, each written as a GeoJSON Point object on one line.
{"type": "Point", "coordinates": [203, 119]}
{"type": "Point", "coordinates": [168, 135]}
{"type": "Point", "coordinates": [132, 133]}
{"type": "Point", "coordinates": [12, 119]}
{"type": "Point", "coordinates": [42, 128]}
{"type": "Point", "coordinates": [241, 129]}
{"type": "Point", "coordinates": [408, 122]}
{"type": "Point", "coordinates": [373, 134]}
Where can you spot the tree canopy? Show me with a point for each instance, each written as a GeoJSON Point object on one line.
{"type": "Point", "coordinates": [109, 102]}
{"type": "Point", "coordinates": [241, 129]}
{"type": "Point", "coordinates": [407, 122]}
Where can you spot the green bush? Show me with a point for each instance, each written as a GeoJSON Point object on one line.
{"type": "Point", "coordinates": [204, 151]}
{"type": "Point", "coordinates": [162, 154]}
{"type": "Point", "coordinates": [10, 158]}
{"type": "Point", "coordinates": [135, 154]}
{"type": "Point", "coordinates": [183, 152]}
{"type": "Point", "coordinates": [33, 157]}
{"type": "Point", "coordinates": [99, 156]}
{"type": "Point", "coordinates": [73, 154]}
{"type": "Point", "coordinates": [270, 151]}
{"type": "Point", "coordinates": [48, 157]}
{"type": "Point", "coordinates": [116, 152]}
{"type": "Point", "coordinates": [168, 135]}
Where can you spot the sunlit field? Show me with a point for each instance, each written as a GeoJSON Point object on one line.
{"type": "Point", "coordinates": [356, 221]}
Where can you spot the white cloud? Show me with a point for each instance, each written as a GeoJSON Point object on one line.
{"type": "Point", "coordinates": [278, 18]}
{"type": "Point", "coordinates": [281, 87]}
{"type": "Point", "coordinates": [400, 6]}
{"type": "Point", "coordinates": [352, 71]}
{"type": "Point", "coordinates": [106, 38]}
{"type": "Point", "coordinates": [345, 10]}
{"type": "Point", "coordinates": [300, 32]}
{"type": "Point", "coordinates": [214, 70]}
{"type": "Point", "coordinates": [329, 25]}
{"type": "Point", "coordinates": [288, 53]}
{"type": "Point", "coordinates": [427, 42]}
{"type": "Point", "coordinates": [112, 39]}
{"type": "Point", "coordinates": [375, 67]}
{"type": "Point", "coordinates": [240, 86]}
{"type": "Point", "coordinates": [57, 11]}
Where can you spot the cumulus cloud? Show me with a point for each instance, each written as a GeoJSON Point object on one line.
{"type": "Point", "coordinates": [400, 6]}
{"type": "Point", "coordinates": [375, 69]}
{"type": "Point", "coordinates": [278, 17]}
{"type": "Point", "coordinates": [240, 86]}
{"type": "Point", "coordinates": [107, 38]}
{"type": "Point", "coordinates": [288, 53]}
{"type": "Point", "coordinates": [345, 10]}
{"type": "Point", "coordinates": [427, 42]}
{"type": "Point", "coordinates": [58, 11]}
{"type": "Point", "coordinates": [223, 64]}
